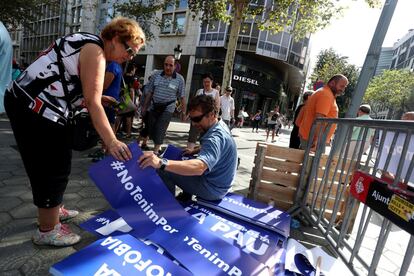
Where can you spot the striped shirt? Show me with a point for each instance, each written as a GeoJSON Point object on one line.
{"type": "Point", "coordinates": [166, 89]}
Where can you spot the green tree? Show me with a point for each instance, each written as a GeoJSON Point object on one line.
{"type": "Point", "coordinates": [330, 63]}
{"type": "Point", "coordinates": [393, 89]}
{"type": "Point", "coordinates": [22, 12]}
{"type": "Point", "coordinates": [300, 17]}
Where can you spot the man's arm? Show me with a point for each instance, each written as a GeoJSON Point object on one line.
{"type": "Point", "coordinates": [232, 109]}
{"type": "Point", "coordinates": [183, 108]}
{"type": "Point", "coordinates": [185, 167]}
{"type": "Point", "coordinates": [319, 127]}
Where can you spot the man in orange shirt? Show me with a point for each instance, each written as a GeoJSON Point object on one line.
{"type": "Point", "coordinates": [322, 104]}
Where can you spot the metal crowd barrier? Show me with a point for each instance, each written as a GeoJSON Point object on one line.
{"type": "Point", "coordinates": [323, 197]}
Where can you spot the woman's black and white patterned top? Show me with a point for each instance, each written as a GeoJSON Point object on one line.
{"type": "Point", "coordinates": [39, 87]}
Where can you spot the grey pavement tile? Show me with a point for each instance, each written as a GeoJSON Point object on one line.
{"type": "Point", "coordinates": [9, 203]}
{"type": "Point", "coordinates": [92, 204]}
{"type": "Point", "coordinates": [70, 199]}
{"type": "Point", "coordinates": [90, 192]}
{"type": "Point", "coordinates": [4, 218]}
{"type": "Point", "coordinates": [15, 190]}
{"type": "Point", "coordinates": [19, 171]}
{"type": "Point", "coordinates": [73, 188]}
{"type": "Point", "coordinates": [14, 272]}
{"type": "Point", "coordinates": [13, 257]}
{"type": "Point", "coordinates": [5, 175]}
{"type": "Point", "coordinates": [25, 210]}
{"type": "Point", "coordinates": [80, 181]}
{"type": "Point", "coordinates": [40, 263]}
{"type": "Point", "coordinates": [17, 231]}
{"type": "Point", "coordinates": [9, 167]}
{"type": "Point", "coordinates": [26, 197]}
{"type": "Point", "coordinates": [17, 180]}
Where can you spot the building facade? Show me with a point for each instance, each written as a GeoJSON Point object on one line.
{"type": "Point", "coordinates": [403, 54]}
{"type": "Point", "coordinates": [384, 61]}
{"type": "Point", "coordinates": [400, 56]}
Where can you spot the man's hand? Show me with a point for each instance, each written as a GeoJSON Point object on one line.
{"type": "Point", "coordinates": [109, 101]}
{"type": "Point", "coordinates": [184, 117]}
{"type": "Point", "coordinates": [149, 159]}
{"type": "Point", "coordinates": [188, 151]}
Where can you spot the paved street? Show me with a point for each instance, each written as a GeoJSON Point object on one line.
{"type": "Point", "coordinates": [18, 256]}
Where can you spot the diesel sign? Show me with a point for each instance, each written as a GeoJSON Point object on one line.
{"type": "Point", "coordinates": [244, 79]}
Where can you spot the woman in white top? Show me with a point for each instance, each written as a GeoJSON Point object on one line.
{"type": "Point", "coordinates": [209, 91]}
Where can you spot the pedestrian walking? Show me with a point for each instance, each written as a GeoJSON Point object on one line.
{"type": "Point", "coordinates": [256, 119]}
{"type": "Point", "coordinates": [165, 88]}
{"type": "Point", "coordinates": [294, 142]}
{"type": "Point", "coordinates": [272, 117]}
{"type": "Point", "coordinates": [322, 104]}
{"type": "Point", "coordinates": [227, 107]}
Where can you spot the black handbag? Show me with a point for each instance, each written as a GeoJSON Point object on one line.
{"type": "Point", "coordinates": [160, 107]}
{"type": "Point", "coordinates": [82, 134]}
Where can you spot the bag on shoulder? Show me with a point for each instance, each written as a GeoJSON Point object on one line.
{"type": "Point", "coordinates": [83, 134]}
{"type": "Point", "coordinates": [126, 103]}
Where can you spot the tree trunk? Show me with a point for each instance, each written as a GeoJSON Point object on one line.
{"type": "Point", "coordinates": [238, 7]}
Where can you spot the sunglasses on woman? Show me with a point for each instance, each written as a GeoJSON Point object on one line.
{"type": "Point", "coordinates": [197, 119]}
{"type": "Point", "coordinates": [128, 49]}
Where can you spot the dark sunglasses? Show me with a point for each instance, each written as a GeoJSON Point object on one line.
{"type": "Point", "coordinates": [198, 119]}
{"type": "Point", "coordinates": [128, 49]}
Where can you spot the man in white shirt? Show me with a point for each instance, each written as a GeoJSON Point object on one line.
{"type": "Point", "coordinates": [208, 90]}
{"type": "Point", "coordinates": [227, 107]}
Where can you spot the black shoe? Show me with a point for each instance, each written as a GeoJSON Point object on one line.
{"type": "Point", "coordinates": [184, 197]}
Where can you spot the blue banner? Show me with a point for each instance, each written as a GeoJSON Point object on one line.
{"type": "Point", "coordinates": [255, 212]}
{"type": "Point", "coordinates": [258, 242]}
{"type": "Point", "coordinates": [116, 256]}
{"type": "Point", "coordinates": [142, 199]}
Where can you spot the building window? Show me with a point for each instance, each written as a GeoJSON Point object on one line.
{"type": "Point", "coordinates": [166, 23]}
{"type": "Point", "coordinates": [174, 17]}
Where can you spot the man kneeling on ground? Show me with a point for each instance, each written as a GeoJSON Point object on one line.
{"type": "Point", "coordinates": [211, 173]}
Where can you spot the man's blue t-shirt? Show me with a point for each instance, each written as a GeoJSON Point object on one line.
{"type": "Point", "coordinates": [219, 152]}
{"type": "Point", "coordinates": [115, 86]}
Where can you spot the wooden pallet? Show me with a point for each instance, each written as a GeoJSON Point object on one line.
{"type": "Point", "coordinates": [276, 174]}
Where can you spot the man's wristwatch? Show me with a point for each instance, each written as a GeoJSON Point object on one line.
{"type": "Point", "coordinates": [163, 163]}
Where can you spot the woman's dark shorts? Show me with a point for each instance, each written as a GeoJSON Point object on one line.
{"type": "Point", "coordinates": [44, 148]}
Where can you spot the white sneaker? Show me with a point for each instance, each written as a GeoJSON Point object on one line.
{"type": "Point", "coordinates": [61, 235]}
{"type": "Point", "coordinates": [65, 214]}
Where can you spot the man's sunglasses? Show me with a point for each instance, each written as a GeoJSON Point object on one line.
{"type": "Point", "coordinates": [198, 119]}
{"type": "Point", "coordinates": [128, 49]}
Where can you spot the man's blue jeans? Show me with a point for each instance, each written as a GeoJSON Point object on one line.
{"type": "Point", "coordinates": [194, 185]}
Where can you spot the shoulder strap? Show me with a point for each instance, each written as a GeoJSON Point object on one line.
{"type": "Point", "coordinates": [62, 71]}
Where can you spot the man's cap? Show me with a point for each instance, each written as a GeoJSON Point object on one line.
{"type": "Point", "coordinates": [229, 88]}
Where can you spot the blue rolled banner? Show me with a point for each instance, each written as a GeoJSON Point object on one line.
{"type": "Point", "coordinates": [116, 256]}
{"type": "Point", "coordinates": [144, 202]}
